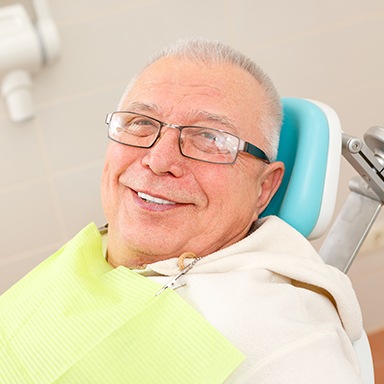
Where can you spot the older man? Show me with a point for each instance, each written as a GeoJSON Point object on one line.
{"type": "Point", "coordinates": [189, 286]}
{"type": "Point", "coordinates": [177, 196]}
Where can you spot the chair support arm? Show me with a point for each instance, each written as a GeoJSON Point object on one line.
{"type": "Point", "coordinates": [363, 204]}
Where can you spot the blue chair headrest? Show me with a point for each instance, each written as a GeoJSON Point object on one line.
{"type": "Point", "coordinates": [306, 144]}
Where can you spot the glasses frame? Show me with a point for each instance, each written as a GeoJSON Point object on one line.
{"type": "Point", "coordinates": [244, 146]}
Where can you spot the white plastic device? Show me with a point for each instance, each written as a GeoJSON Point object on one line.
{"type": "Point", "coordinates": [25, 47]}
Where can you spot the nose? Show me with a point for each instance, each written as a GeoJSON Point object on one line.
{"type": "Point", "coordinates": [164, 156]}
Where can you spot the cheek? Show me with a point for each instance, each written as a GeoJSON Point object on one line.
{"type": "Point", "coordinates": [116, 162]}
{"type": "Point", "coordinates": [107, 190]}
{"type": "Point", "coordinates": [231, 191]}
{"type": "Point", "coordinates": [118, 158]}
{"type": "Point", "coordinates": [109, 170]}
{"type": "Point", "coordinates": [242, 192]}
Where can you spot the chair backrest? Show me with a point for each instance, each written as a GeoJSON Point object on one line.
{"type": "Point", "coordinates": [310, 147]}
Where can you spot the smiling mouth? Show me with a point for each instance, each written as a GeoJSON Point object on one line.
{"type": "Point", "coordinates": [155, 200]}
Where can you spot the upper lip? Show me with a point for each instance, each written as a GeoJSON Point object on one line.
{"type": "Point", "coordinates": [168, 193]}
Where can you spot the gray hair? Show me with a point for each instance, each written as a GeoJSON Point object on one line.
{"type": "Point", "coordinates": [209, 51]}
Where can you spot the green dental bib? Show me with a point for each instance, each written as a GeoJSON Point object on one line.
{"type": "Point", "coordinates": [75, 319]}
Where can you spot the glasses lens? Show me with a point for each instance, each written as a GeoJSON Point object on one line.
{"type": "Point", "coordinates": [133, 129]}
{"type": "Point", "coordinates": [209, 145]}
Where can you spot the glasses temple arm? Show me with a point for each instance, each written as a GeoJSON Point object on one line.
{"type": "Point", "coordinates": [253, 150]}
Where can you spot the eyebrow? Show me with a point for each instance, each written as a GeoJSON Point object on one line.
{"type": "Point", "coordinates": [223, 120]}
{"type": "Point", "coordinates": [138, 107]}
{"type": "Point", "coordinates": [215, 118]}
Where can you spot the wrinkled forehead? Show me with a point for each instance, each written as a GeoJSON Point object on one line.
{"type": "Point", "coordinates": [178, 88]}
{"type": "Point", "coordinates": [182, 71]}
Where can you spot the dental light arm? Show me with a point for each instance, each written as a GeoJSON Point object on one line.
{"type": "Point", "coordinates": [25, 47]}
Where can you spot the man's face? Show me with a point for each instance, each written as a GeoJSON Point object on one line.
{"type": "Point", "coordinates": [160, 204]}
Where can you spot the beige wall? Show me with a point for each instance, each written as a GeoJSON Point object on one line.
{"type": "Point", "coordinates": [330, 50]}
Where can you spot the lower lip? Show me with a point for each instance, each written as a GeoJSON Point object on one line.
{"type": "Point", "coordinates": [148, 206]}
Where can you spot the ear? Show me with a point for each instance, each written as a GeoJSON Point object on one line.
{"type": "Point", "coordinates": [270, 180]}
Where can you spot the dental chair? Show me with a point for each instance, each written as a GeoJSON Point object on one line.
{"type": "Point", "coordinates": [311, 146]}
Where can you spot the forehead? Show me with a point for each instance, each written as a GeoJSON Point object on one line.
{"type": "Point", "coordinates": [179, 91]}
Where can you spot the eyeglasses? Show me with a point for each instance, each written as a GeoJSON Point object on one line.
{"type": "Point", "coordinates": [198, 143]}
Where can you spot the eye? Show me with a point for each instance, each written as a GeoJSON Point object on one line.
{"type": "Point", "coordinates": [137, 126]}
{"type": "Point", "coordinates": [211, 141]}
{"type": "Point", "coordinates": [143, 121]}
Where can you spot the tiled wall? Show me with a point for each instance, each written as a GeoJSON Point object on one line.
{"type": "Point", "coordinates": [50, 167]}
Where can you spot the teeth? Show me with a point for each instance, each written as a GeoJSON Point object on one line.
{"type": "Point", "coordinates": [152, 199]}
